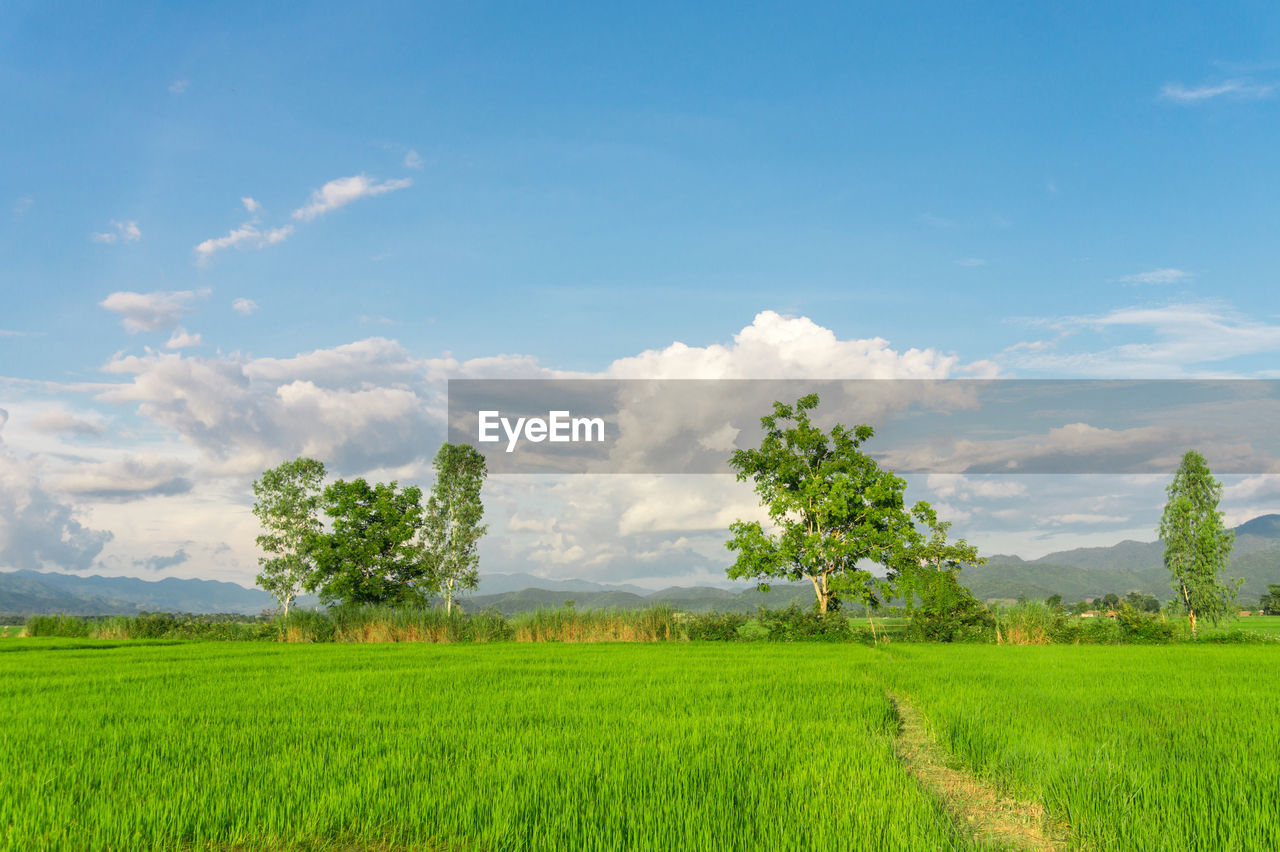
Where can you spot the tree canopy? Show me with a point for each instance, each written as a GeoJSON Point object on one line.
{"type": "Point", "coordinates": [1197, 544]}
{"type": "Point", "coordinates": [287, 502]}
{"type": "Point", "coordinates": [832, 508]}
{"type": "Point", "coordinates": [451, 529]}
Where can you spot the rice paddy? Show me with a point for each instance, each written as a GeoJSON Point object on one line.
{"type": "Point", "coordinates": [274, 746]}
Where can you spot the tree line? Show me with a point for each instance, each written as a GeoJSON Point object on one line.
{"type": "Point", "coordinates": [377, 543]}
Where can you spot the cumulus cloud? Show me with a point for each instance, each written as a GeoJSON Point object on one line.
{"type": "Point", "coordinates": [150, 311]}
{"type": "Point", "coordinates": [250, 205]}
{"type": "Point", "coordinates": [128, 232]}
{"type": "Point", "coordinates": [160, 563]}
{"type": "Point", "coordinates": [357, 407]}
{"type": "Point", "coordinates": [38, 531]}
{"type": "Point", "coordinates": [244, 307]}
{"type": "Point", "coordinates": [342, 191]}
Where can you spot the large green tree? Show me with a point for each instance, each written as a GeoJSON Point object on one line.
{"type": "Point", "coordinates": [1197, 544]}
{"type": "Point", "coordinates": [1270, 602]}
{"type": "Point", "coordinates": [452, 528]}
{"type": "Point", "coordinates": [371, 554]}
{"type": "Point", "coordinates": [831, 506]}
{"type": "Point", "coordinates": [287, 503]}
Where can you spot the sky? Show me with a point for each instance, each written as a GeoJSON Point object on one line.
{"type": "Point", "coordinates": [235, 233]}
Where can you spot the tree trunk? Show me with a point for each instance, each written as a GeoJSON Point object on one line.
{"type": "Point", "coordinates": [820, 590]}
{"type": "Point", "coordinates": [448, 597]}
{"type": "Point", "coordinates": [1191, 613]}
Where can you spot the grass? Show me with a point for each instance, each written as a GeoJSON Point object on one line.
{"type": "Point", "coordinates": [1136, 748]}
{"type": "Point", "coordinates": [158, 744]}
{"type": "Point", "coordinates": [662, 746]}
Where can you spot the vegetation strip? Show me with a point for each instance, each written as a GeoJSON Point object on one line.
{"type": "Point", "coordinates": [975, 804]}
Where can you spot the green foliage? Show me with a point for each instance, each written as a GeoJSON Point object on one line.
{"type": "Point", "coordinates": [1270, 602]}
{"type": "Point", "coordinates": [1142, 626]}
{"type": "Point", "coordinates": [716, 627]}
{"type": "Point", "coordinates": [371, 554]}
{"type": "Point", "coordinates": [451, 529]}
{"type": "Point", "coordinates": [948, 612]}
{"type": "Point", "coordinates": [1197, 543]}
{"type": "Point", "coordinates": [794, 624]}
{"type": "Point", "coordinates": [831, 503]}
{"type": "Point", "coordinates": [287, 502]}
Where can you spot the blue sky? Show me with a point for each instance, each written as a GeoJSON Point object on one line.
{"type": "Point", "coordinates": [1035, 190]}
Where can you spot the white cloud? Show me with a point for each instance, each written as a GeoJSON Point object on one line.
{"type": "Point", "coordinates": [55, 420]}
{"type": "Point", "coordinates": [179, 87]}
{"type": "Point", "coordinates": [1187, 335]}
{"type": "Point", "coordinates": [250, 205]}
{"type": "Point", "coordinates": [342, 191]}
{"type": "Point", "coordinates": [244, 306]}
{"type": "Point", "coordinates": [125, 478]}
{"type": "Point", "coordinates": [776, 346]}
{"type": "Point", "coordinates": [37, 530]}
{"type": "Point", "coordinates": [1159, 276]}
{"type": "Point", "coordinates": [150, 311]}
{"type": "Point", "coordinates": [248, 235]}
{"type": "Point", "coordinates": [412, 160]}
{"type": "Point", "coordinates": [129, 232]}
{"type": "Point", "coordinates": [1231, 89]}
{"type": "Point", "coordinates": [182, 339]}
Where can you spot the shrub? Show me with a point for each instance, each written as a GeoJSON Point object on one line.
{"type": "Point", "coordinates": [795, 624]}
{"type": "Point", "coordinates": [716, 627]}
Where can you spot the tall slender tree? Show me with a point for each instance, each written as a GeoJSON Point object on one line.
{"type": "Point", "coordinates": [452, 530]}
{"type": "Point", "coordinates": [1197, 545]}
{"type": "Point", "coordinates": [288, 507]}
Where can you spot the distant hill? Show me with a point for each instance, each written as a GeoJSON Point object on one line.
{"type": "Point", "coordinates": [32, 592]}
{"type": "Point", "coordinates": [1128, 566]}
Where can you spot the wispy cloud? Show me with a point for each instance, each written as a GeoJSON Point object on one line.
{"type": "Point", "coordinates": [1186, 336]}
{"type": "Point", "coordinates": [129, 232]}
{"type": "Point", "coordinates": [182, 339]}
{"type": "Point", "coordinates": [412, 160]}
{"type": "Point", "coordinates": [179, 87]}
{"type": "Point", "coordinates": [244, 306]}
{"type": "Point", "coordinates": [1159, 276]}
{"type": "Point", "coordinates": [1241, 89]}
{"type": "Point", "coordinates": [22, 205]}
{"type": "Point", "coordinates": [248, 235]}
{"type": "Point", "coordinates": [150, 311]}
{"type": "Point", "coordinates": [342, 191]}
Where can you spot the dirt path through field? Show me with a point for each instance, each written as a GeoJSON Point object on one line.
{"type": "Point", "coordinates": [988, 815]}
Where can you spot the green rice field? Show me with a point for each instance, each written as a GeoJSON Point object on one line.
{"type": "Point", "coordinates": [552, 746]}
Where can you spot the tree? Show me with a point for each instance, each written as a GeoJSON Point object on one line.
{"type": "Point", "coordinates": [452, 528]}
{"type": "Point", "coordinates": [1197, 545]}
{"type": "Point", "coordinates": [1270, 602]}
{"type": "Point", "coordinates": [929, 568]}
{"type": "Point", "coordinates": [831, 505]}
{"type": "Point", "coordinates": [287, 506]}
{"type": "Point", "coordinates": [1054, 602]}
{"type": "Point", "coordinates": [371, 554]}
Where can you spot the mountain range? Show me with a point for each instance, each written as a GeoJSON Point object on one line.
{"type": "Point", "coordinates": [1075, 574]}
